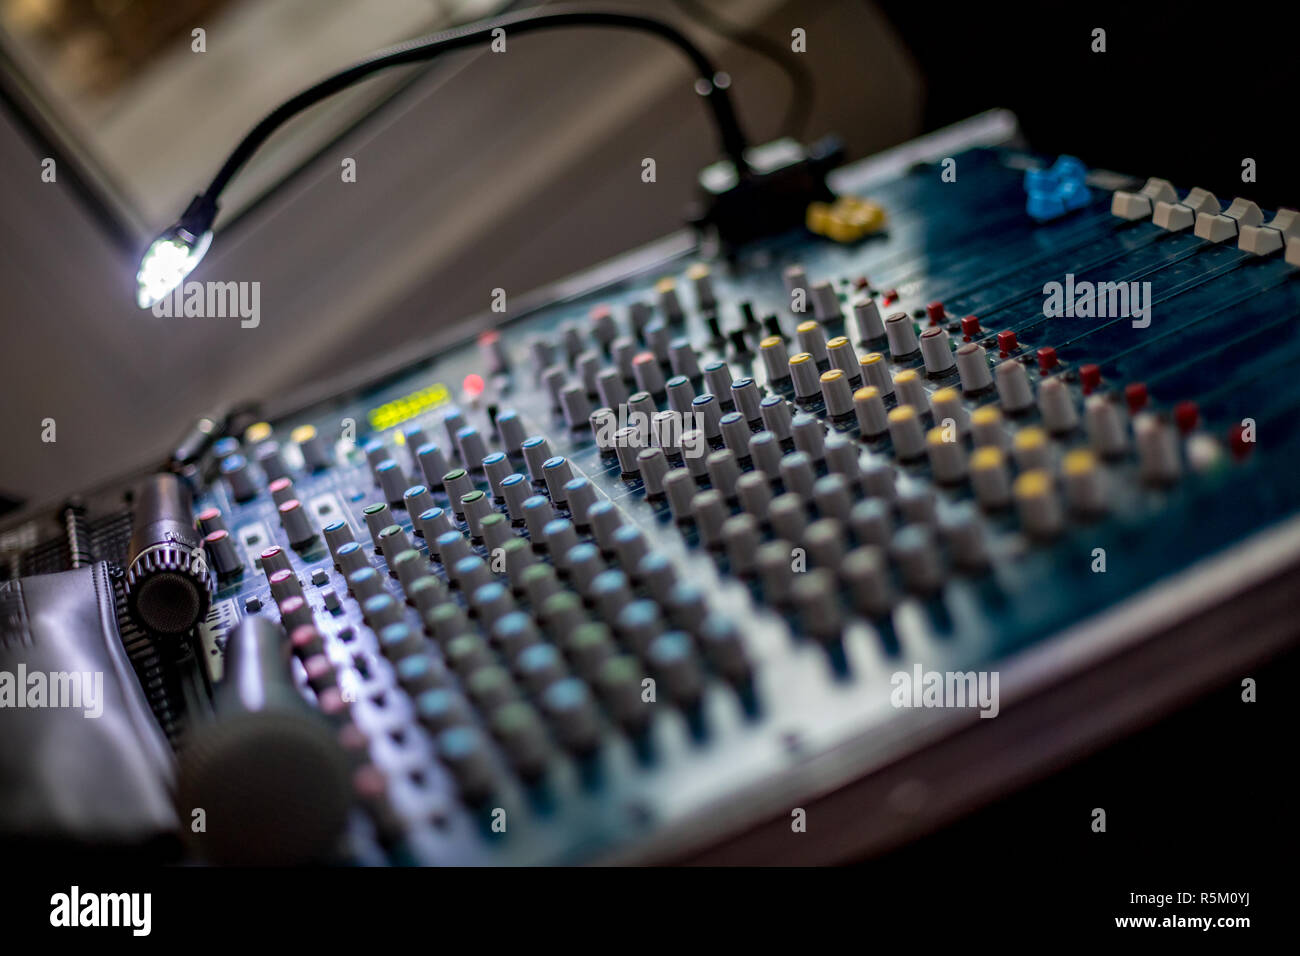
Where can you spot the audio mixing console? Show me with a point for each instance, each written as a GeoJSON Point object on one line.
{"type": "Point", "coordinates": [632, 575]}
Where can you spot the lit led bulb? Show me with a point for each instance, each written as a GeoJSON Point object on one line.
{"type": "Point", "coordinates": [175, 253]}
{"type": "Point", "coordinates": [169, 259]}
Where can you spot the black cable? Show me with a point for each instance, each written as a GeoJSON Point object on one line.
{"type": "Point", "coordinates": [799, 110]}
{"type": "Point", "coordinates": [426, 48]}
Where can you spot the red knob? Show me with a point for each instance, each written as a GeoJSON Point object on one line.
{"type": "Point", "coordinates": [1135, 394]}
{"type": "Point", "coordinates": [1186, 416]}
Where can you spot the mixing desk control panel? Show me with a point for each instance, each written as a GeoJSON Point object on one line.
{"type": "Point", "coordinates": [679, 553]}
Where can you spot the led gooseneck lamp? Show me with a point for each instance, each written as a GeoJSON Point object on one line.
{"type": "Point", "coordinates": [174, 254]}
{"type": "Point", "coordinates": [178, 250]}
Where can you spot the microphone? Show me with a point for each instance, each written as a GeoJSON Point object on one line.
{"type": "Point", "coordinates": [168, 584]}
{"type": "Point", "coordinates": [265, 782]}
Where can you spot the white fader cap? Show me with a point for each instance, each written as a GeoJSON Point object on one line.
{"type": "Point", "coordinates": [1140, 205]}
{"type": "Point", "coordinates": [1176, 216]}
{"type": "Point", "coordinates": [1223, 226]}
{"type": "Point", "coordinates": [1272, 236]}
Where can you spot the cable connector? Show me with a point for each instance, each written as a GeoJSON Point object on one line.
{"type": "Point", "coordinates": [771, 198]}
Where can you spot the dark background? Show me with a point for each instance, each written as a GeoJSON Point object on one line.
{"type": "Point", "coordinates": [1184, 91]}
{"type": "Point", "coordinates": [1201, 801]}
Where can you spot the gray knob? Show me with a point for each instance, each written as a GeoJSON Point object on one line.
{"type": "Point", "coordinates": [516, 491]}
{"type": "Point", "coordinates": [653, 466]}
{"type": "Point", "coordinates": [680, 394]}
{"type": "Point", "coordinates": [537, 513]}
{"type": "Point", "coordinates": [432, 522]}
{"type": "Point", "coordinates": [557, 472]}
{"type": "Point", "coordinates": [973, 368]}
{"type": "Point", "coordinates": [473, 448]}
{"type": "Point", "coordinates": [788, 517]}
{"type": "Point", "coordinates": [817, 602]}
{"type": "Point", "coordinates": [709, 413]}
{"type": "Point", "coordinates": [609, 383]}
{"type": "Point", "coordinates": [296, 523]}
{"type": "Point", "coordinates": [234, 469]}
{"type": "Point", "coordinates": [605, 520]}
{"type": "Point", "coordinates": [393, 541]}
{"type": "Point", "coordinates": [809, 436]}
{"type": "Point", "coordinates": [748, 401]}
{"type": "Point", "coordinates": [797, 474]}
{"type": "Point", "coordinates": [537, 450]}
{"type": "Point", "coordinates": [773, 562]}
{"type": "Point", "coordinates": [735, 434]}
{"type": "Point", "coordinates": [496, 468]}
{"type": "Point", "coordinates": [476, 507]}
{"type": "Point", "coordinates": [833, 497]}
{"type": "Point", "coordinates": [648, 375]}
{"type": "Point", "coordinates": [776, 416]}
{"type": "Point", "coordinates": [683, 359]}
{"type": "Point", "coordinates": [804, 375]}
{"type": "Point", "coordinates": [866, 577]}
{"type": "Point", "coordinates": [936, 351]}
{"type": "Point", "coordinates": [755, 494]}
{"type": "Point", "coordinates": [1014, 391]}
{"type": "Point", "coordinates": [717, 380]}
{"type": "Point", "coordinates": [723, 472]}
{"type": "Point", "coordinates": [812, 340]}
{"type": "Point", "coordinates": [679, 489]}
{"type": "Point", "coordinates": [741, 540]}
{"type": "Point", "coordinates": [433, 463]}
{"type": "Point", "coordinates": [765, 453]}
{"type": "Point", "coordinates": [417, 500]}
{"type": "Point", "coordinates": [826, 303]}
{"type": "Point", "coordinates": [710, 511]}
{"type": "Point", "coordinates": [579, 495]}
{"type": "Point", "coordinates": [870, 522]}
{"type": "Point", "coordinates": [1056, 406]}
{"type": "Point", "coordinates": [351, 558]}
{"type": "Point", "coordinates": [901, 335]}
{"type": "Point", "coordinates": [510, 428]}
{"type": "Point", "coordinates": [870, 325]}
